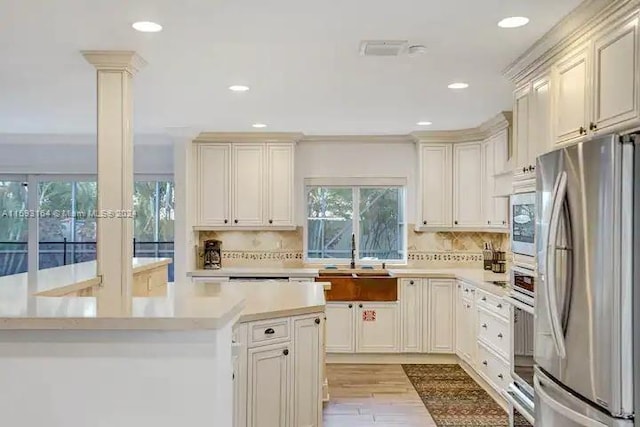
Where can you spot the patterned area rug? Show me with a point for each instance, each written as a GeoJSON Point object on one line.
{"type": "Point", "coordinates": [454, 399]}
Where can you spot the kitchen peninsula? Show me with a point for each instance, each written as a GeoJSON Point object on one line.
{"type": "Point", "coordinates": [171, 362]}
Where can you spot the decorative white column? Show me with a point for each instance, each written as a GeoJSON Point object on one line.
{"type": "Point", "coordinates": [115, 70]}
{"type": "Point", "coordinates": [184, 236]}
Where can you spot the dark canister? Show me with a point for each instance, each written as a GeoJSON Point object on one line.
{"type": "Point", "coordinates": [212, 255]}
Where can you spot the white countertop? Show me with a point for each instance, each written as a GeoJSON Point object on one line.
{"type": "Point", "coordinates": [67, 278]}
{"type": "Point", "coordinates": [210, 306]}
{"type": "Point", "coordinates": [256, 272]}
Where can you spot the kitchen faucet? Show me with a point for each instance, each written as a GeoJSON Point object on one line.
{"type": "Point", "coordinates": [353, 251]}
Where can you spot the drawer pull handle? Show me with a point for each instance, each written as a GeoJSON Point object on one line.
{"type": "Point", "coordinates": [499, 305]}
{"type": "Point", "coordinates": [484, 325]}
{"type": "Point", "coordinates": [500, 335]}
{"type": "Point", "coordinates": [269, 331]}
{"type": "Point", "coordinates": [484, 362]}
{"type": "Point", "coordinates": [484, 298]}
{"type": "Point", "coordinates": [500, 376]}
{"type": "Point", "coordinates": [285, 352]}
{"type": "Point", "coordinates": [466, 290]}
{"type": "Point", "coordinates": [473, 291]}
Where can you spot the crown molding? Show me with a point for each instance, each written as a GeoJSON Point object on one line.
{"type": "Point", "coordinates": [249, 137]}
{"type": "Point", "coordinates": [358, 139]}
{"type": "Point", "coordinates": [569, 31]}
{"type": "Point", "coordinates": [115, 60]}
{"type": "Point", "coordinates": [498, 123]}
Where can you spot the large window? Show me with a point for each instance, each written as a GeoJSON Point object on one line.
{"type": "Point", "coordinates": [372, 215]}
{"type": "Point", "coordinates": [13, 227]}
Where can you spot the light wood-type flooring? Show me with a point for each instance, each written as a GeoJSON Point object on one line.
{"type": "Point", "coordinates": [373, 395]}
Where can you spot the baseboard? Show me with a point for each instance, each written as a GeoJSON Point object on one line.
{"type": "Point", "coordinates": [391, 358]}
{"type": "Point", "coordinates": [495, 395]}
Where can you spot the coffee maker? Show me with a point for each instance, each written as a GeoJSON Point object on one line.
{"type": "Point", "coordinates": [212, 255]}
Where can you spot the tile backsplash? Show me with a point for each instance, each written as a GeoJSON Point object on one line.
{"type": "Point", "coordinates": [285, 248]}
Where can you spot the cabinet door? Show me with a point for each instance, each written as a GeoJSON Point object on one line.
{"type": "Point", "coordinates": [616, 89]}
{"type": "Point", "coordinates": [467, 185]}
{"type": "Point", "coordinates": [213, 177]}
{"type": "Point", "coordinates": [435, 183]}
{"type": "Point", "coordinates": [572, 77]}
{"type": "Point", "coordinates": [377, 329]}
{"type": "Point", "coordinates": [460, 322]}
{"type": "Point", "coordinates": [248, 184]}
{"type": "Point", "coordinates": [540, 124]}
{"type": "Point", "coordinates": [501, 157]}
{"type": "Point", "coordinates": [442, 315]}
{"type": "Point", "coordinates": [521, 129]}
{"type": "Point", "coordinates": [268, 386]}
{"type": "Point", "coordinates": [307, 371]}
{"type": "Point", "coordinates": [340, 327]}
{"type": "Point", "coordinates": [280, 205]}
{"type": "Point", "coordinates": [488, 150]}
{"type": "Point", "coordinates": [412, 314]}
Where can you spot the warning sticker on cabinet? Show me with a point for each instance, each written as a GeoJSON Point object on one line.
{"type": "Point", "coordinates": [368, 315]}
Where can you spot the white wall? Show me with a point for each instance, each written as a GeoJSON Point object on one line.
{"type": "Point", "coordinates": [76, 154]}
{"type": "Point", "coordinates": [356, 159]}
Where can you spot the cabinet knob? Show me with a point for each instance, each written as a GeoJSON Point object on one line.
{"type": "Point", "coordinates": [484, 325]}
{"type": "Point", "coordinates": [593, 126]}
{"type": "Point", "coordinates": [235, 220]}
{"type": "Point", "coordinates": [317, 320]}
{"type": "Point", "coordinates": [270, 221]}
{"type": "Point", "coordinates": [499, 306]}
{"type": "Point", "coordinates": [467, 290]}
{"type": "Point", "coordinates": [524, 170]}
{"type": "Point", "coordinates": [424, 222]}
{"type": "Point", "coordinates": [468, 306]}
{"type": "Point", "coordinates": [285, 351]}
{"type": "Point", "coordinates": [411, 282]}
{"type": "Point", "coordinates": [500, 376]}
{"type": "Point", "coordinates": [484, 362]}
{"type": "Point", "coordinates": [500, 335]}
{"type": "Point", "coordinates": [455, 222]}
{"type": "Point", "coordinates": [269, 331]}
{"type": "Point", "coordinates": [582, 130]}
{"type": "Point", "coordinates": [226, 221]}
{"type": "Point", "coordinates": [360, 305]}
{"type": "Point", "coordinates": [484, 298]}
{"type": "Point", "coordinates": [504, 222]}
{"type": "Point", "coordinates": [489, 222]}
{"type": "Point", "coordinates": [350, 305]}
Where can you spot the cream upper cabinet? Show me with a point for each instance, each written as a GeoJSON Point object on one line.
{"type": "Point", "coordinates": [280, 206]}
{"type": "Point", "coordinates": [489, 181]}
{"type": "Point", "coordinates": [521, 122]}
{"type": "Point", "coordinates": [494, 154]}
{"type": "Point", "coordinates": [435, 182]}
{"type": "Point", "coordinates": [213, 179]}
{"type": "Point", "coordinates": [572, 95]}
{"type": "Point", "coordinates": [467, 185]}
{"type": "Point", "coordinates": [540, 131]}
{"type": "Point", "coordinates": [248, 184]}
{"type": "Point", "coordinates": [411, 291]}
{"type": "Point", "coordinates": [441, 312]}
{"type": "Point", "coordinates": [616, 76]}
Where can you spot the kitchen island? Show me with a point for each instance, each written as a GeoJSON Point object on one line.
{"type": "Point", "coordinates": [171, 362]}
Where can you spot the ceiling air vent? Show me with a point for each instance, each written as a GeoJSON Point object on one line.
{"type": "Point", "coordinates": [382, 47]}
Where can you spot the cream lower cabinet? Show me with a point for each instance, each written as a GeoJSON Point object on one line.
{"type": "Point", "coordinates": [340, 327]}
{"type": "Point", "coordinates": [441, 314]}
{"type": "Point", "coordinates": [278, 372]}
{"type": "Point", "coordinates": [465, 323]}
{"type": "Point", "coordinates": [377, 327]}
{"type": "Point", "coordinates": [411, 308]}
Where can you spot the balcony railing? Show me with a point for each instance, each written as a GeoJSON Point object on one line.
{"type": "Point", "coordinates": [13, 255]}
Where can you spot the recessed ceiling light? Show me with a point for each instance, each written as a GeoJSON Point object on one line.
{"type": "Point", "coordinates": [513, 22]}
{"type": "Point", "coordinates": [259, 125]}
{"type": "Point", "coordinates": [425, 123]}
{"type": "Point", "coordinates": [147, 27]}
{"type": "Point", "coordinates": [239, 88]}
{"type": "Point", "coordinates": [459, 85]}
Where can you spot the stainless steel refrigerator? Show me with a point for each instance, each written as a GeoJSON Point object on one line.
{"type": "Point", "coordinates": [586, 302]}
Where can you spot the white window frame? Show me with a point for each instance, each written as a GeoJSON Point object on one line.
{"type": "Point", "coordinates": [355, 184]}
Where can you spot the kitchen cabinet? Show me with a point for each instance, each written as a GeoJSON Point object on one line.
{"type": "Point", "coordinates": [466, 332]}
{"type": "Point", "coordinates": [441, 314]}
{"type": "Point", "coordinates": [540, 130]}
{"type": "Point", "coordinates": [248, 184]}
{"type": "Point", "coordinates": [521, 122]}
{"type": "Point", "coordinates": [467, 185]}
{"type": "Point", "coordinates": [435, 184]}
{"type": "Point", "coordinates": [411, 300]}
{"type": "Point", "coordinates": [340, 327]}
{"type": "Point", "coordinates": [213, 184]}
{"type": "Point", "coordinates": [616, 88]}
{"type": "Point", "coordinates": [307, 371]}
{"type": "Point", "coordinates": [572, 95]}
{"type": "Point", "coordinates": [244, 185]}
{"type": "Point", "coordinates": [268, 386]}
{"type": "Point", "coordinates": [280, 208]}
{"type": "Point", "coordinates": [377, 327]}
{"type": "Point", "coordinates": [494, 153]}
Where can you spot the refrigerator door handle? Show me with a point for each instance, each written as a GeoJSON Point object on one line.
{"type": "Point", "coordinates": [563, 410]}
{"type": "Point", "coordinates": [550, 264]}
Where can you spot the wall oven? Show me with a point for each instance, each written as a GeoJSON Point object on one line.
{"type": "Point", "coordinates": [523, 224]}
{"type": "Point", "coordinates": [521, 391]}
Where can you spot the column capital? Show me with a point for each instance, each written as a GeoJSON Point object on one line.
{"type": "Point", "coordinates": [115, 60]}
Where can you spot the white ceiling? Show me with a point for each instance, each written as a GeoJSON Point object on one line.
{"type": "Point", "coordinates": [300, 58]}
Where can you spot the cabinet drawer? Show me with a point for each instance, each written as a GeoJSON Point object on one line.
{"type": "Point", "coordinates": [493, 304]}
{"type": "Point", "coordinates": [493, 368]}
{"type": "Point", "coordinates": [494, 331]}
{"type": "Point", "coordinates": [269, 332]}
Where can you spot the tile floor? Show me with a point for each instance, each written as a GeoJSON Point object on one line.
{"type": "Point", "coordinates": [373, 395]}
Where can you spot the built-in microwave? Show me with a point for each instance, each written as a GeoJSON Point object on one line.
{"type": "Point", "coordinates": [523, 224]}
